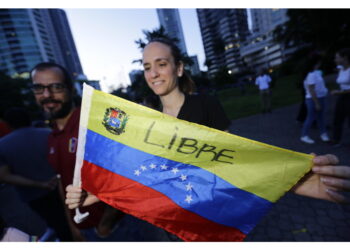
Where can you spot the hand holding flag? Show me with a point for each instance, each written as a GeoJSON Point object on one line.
{"type": "Point", "coordinates": [77, 197]}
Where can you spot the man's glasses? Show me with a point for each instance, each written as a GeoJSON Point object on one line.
{"type": "Point", "coordinates": [52, 88]}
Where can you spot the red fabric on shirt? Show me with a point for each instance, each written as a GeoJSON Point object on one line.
{"type": "Point", "coordinates": [62, 154]}
{"type": "Point", "coordinates": [4, 129]}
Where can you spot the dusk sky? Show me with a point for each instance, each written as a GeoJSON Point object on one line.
{"type": "Point", "coordinates": [105, 31]}
{"type": "Point", "coordinates": [105, 40]}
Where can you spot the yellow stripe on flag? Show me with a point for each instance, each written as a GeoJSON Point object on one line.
{"type": "Point", "coordinates": [262, 169]}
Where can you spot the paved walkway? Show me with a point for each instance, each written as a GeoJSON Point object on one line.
{"type": "Point", "coordinates": [297, 218]}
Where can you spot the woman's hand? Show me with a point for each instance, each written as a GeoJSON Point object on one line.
{"type": "Point", "coordinates": [76, 197]}
{"type": "Point", "coordinates": [327, 180]}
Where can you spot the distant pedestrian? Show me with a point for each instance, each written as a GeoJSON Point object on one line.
{"type": "Point", "coordinates": [342, 107]}
{"type": "Point", "coordinates": [315, 99]}
{"type": "Point", "coordinates": [263, 82]}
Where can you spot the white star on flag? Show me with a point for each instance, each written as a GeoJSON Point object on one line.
{"type": "Point", "coordinates": [164, 167]}
{"type": "Point", "coordinates": [189, 187]}
{"type": "Point", "coordinates": [183, 177]}
{"type": "Point", "coordinates": [175, 170]}
{"type": "Point", "coordinates": [152, 166]}
{"type": "Point", "coordinates": [143, 168]}
{"type": "Point", "coordinates": [137, 172]}
{"type": "Point", "coordinates": [188, 199]}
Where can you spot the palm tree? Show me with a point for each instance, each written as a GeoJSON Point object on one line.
{"type": "Point", "coordinates": [158, 33]}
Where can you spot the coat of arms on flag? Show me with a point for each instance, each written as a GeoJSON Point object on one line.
{"type": "Point", "coordinates": [115, 120]}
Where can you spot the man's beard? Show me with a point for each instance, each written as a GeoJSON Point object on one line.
{"type": "Point", "coordinates": [66, 107]}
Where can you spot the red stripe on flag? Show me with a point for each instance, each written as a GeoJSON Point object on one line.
{"type": "Point", "coordinates": [150, 205]}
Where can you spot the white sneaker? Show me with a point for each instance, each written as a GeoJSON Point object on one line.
{"type": "Point", "coordinates": [324, 137]}
{"type": "Point", "coordinates": [307, 139]}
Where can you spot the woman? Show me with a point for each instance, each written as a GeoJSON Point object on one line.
{"type": "Point", "coordinates": [342, 107]}
{"type": "Point", "coordinates": [164, 73]}
{"type": "Point", "coordinates": [315, 99]}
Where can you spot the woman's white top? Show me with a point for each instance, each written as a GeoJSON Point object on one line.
{"type": "Point", "coordinates": [315, 78]}
{"type": "Point", "coordinates": [343, 79]}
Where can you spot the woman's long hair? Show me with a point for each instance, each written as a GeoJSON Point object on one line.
{"type": "Point", "coordinates": [312, 61]}
{"type": "Point", "coordinates": [186, 84]}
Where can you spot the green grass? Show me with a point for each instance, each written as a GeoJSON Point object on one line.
{"type": "Point", "coordinates": [236, 105]}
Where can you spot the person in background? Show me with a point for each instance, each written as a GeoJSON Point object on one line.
{"type": "Point", "coordinates": [315, 99]}
{"type": "Point", "coordinates": [263, 82]}
{"type": "Point", "coordinates": [342, 107]}
{"type": "Point", "coordinates": [23, 164]}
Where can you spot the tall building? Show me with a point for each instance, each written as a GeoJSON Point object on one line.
{"type": "Point", "coordinates": [66, 42]}
{"type": "Point", "coordinates": [223, 31]}
{"type": "Point", "coordinates": [260, 50]}
{"type": "Point", "coordinates": [265, 20]}
{"type": "Point", "coordinates": [30, 36]}
{"type": "Point", "coordinates": [171, 22]}
{"type": "Point", "coordinates": [195, 70]}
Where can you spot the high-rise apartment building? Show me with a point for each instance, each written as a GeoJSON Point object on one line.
{"type": "Point", "coordinates": [265, 20]}
{"type": "Point", "coordinates": [30, 36]}
{"type": "Point", "coordinates": [260, 50]}
{"type": "Point", "coordinates": [223, 31]}
{"type": "Point", "coordinates": [171, 22]}
{"type": "Point", "coordinates": [195, 70]}
{"type": "Point", "coordinates": [66, 41]}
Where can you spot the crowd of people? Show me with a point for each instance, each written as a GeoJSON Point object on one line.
{"type": "Point", "coordinates": [38, 163]}
{"type": "Point", "coordinates": [316, 94]}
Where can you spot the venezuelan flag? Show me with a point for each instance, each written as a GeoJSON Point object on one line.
{"type": "Point", "coordinates": [198, 183]}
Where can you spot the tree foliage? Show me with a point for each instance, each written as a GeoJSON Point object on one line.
{"type": "Point", "coordinates": [160, 32]}
{"type": "Point", "coordinates": [321, 30]}
{"type": "Point", "coordinates": [324, 29]}
{"type": "Point", "coordinates": [16, 93]}
{"type": "Point", "coordinates": [223, 77]}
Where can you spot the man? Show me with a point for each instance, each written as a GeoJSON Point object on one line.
{"type": "Point", "coordinates": [263, 81]}
{"type": "Point", "coordinates": [54, 92]}
{"type": "Point", "coordinates": [23, 163]}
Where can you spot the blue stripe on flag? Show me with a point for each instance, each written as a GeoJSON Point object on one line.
{"type": "Point", "coordinates": [191, 187]}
